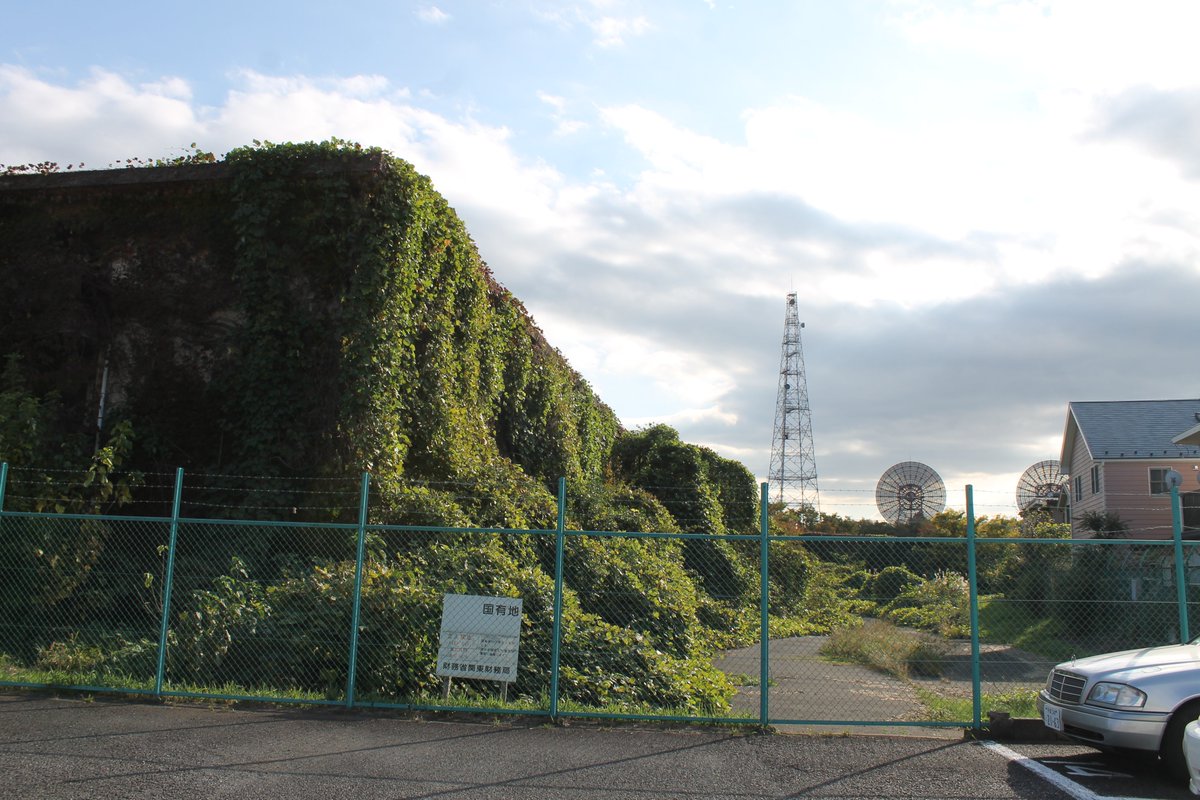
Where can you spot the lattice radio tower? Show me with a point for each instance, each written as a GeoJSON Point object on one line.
{"type": "Point", "coordinates": [793, 476]}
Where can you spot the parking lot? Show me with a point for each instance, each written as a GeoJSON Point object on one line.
{"type": "Point", "coordinates": [1084, 773]}
{"type": "Point", "coordinates": [59, 747]}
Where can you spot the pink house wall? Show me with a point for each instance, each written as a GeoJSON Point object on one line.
{"type": "Point", "coordinates": [1125, 491]}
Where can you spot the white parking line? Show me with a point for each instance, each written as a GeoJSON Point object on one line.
{"type": "Point", "coordinates": [1050, 776]}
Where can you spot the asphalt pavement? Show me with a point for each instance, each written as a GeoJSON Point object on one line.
{"type": "Point", "coordinates": [118, 747]}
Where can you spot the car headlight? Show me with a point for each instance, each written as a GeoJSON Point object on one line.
{"type": "Point", "coordinates": [1117, 695]}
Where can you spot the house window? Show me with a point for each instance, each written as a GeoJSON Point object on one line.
{"type": "Point", "coordinates": [1096, 479]}
{"type": "Point", "coordinates": [1078, 487]}
{"type": "Point", "coordinates": [1158, 480]}
{"type": "Point", "coordinates": [1190, 502]}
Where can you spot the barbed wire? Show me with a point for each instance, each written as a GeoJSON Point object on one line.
{"type": "Point", "coordinates": [340, 496]}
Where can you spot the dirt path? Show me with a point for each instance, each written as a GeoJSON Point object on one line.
{"type": "Point", "coordinates": [806, 687]}
{"type": "Point", "coordinates": [1002, 669]}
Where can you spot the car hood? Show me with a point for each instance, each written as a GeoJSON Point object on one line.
{"type": "Point", "coordinates": [1130, 665]}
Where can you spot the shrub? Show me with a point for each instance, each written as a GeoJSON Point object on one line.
{"type": "Point", "coordinates": [940, 604]}
{"type": "Point", "coordinates": [636, 583]}
{"type": "Point", "coordinates": [889, 583]}
{"type": "Point", "coordinates": [792, 567]}
{"type": "Point", "coordinates": [96, 656]}
{"type": "Point", "coordinates": [219, 618]}
{"type": "Point", "coordinates": [294, 634]}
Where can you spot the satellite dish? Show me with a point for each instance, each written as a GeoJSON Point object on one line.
{"type": "Point", "coordinates": [1040, 485]}
{"type": "Point", "coordinates": [909, 491]}
{"type": "Point", "coordinates": [1173, 479]}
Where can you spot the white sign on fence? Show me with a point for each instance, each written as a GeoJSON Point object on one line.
{"type": "Point", "coordinates": [480, 637]}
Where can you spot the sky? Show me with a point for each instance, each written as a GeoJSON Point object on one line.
{"type": "Point", "coordinates": [986, 209]}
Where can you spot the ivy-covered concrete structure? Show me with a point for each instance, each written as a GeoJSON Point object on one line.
{"type": "Point", "coordinates": [294, 309]}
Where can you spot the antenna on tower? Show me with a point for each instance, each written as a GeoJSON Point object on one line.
{"type": "Point", "coordinates": [793, 475]}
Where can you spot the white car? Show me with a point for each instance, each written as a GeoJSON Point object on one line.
{"type": "Point", "coordinates": [1191, 752]}
{"type": "Point", "coordinates": [1139, 700]}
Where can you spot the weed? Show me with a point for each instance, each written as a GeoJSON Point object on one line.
{"type": "Point", "coordinates": [888, 648]}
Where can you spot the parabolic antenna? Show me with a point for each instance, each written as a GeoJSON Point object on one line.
{"type": "Point", "coordinates": [1040, 485]}
{"type": "Point", "coordinates": [908, 491]}
{"type": "Point", "coordinates": [1173, 479]}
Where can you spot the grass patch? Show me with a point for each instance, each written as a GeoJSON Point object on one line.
{"type": "Point", "coordinates": [635, 710]}
{"type": "Point", "coordinates": [18, 676]}
{"type": "Point", "coordinates": [1018, 703]}
{"type": "Point", "coordinates": [234, 691]}
{"type": "Point", "coordinates": [742, 679]}
{"type": "Point", "coordinates": [1006, 622]}
{"type": "Point", "coordinates": [15, 675]}
{"type": "Point", "coordinates": [475, 700]}
{"type": "Point", "coordinates": [880, 645]}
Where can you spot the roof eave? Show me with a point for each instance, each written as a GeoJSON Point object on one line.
{"type": "Point", "coordinates": [1189, 437]}
{"type": "Point", "coordinates": [1072, 431]}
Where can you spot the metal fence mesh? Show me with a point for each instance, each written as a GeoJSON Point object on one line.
{"type": "Point", "coordinates": [77, 607]}
{"type": "Point", "coordinates": [861, 629]}
{"type": "Point", "coordinates": [261, 610]}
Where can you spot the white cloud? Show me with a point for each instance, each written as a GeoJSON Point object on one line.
{"type": "Point", "coordinates": [613, 31]}
{"type": "Point", "coordinates": [102, 119]}
{"type": "Point", "coordinates": [563, 125]}
{"type": "Point", "coordinates": [1079, 45]}
{"type": "Point", "coordinates": [690, 416]}
{"type": "Point", "coordinates": [559, 104]}
{"type": "Point", "coordinates": [610, 23]}
{"type": "Point", "coordinates": [955, 274]}
{"type": "Point", "coordinates": [433, 15]}
{"type": "Point", "coordinates": [1027, 203]}
{"type": "Point", "coordinates": [666, 380]}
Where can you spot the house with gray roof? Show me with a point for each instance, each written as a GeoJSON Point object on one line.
{"type": "Point", "coordinates": [1118, 455]}
{"type": "Point", "coordinates": [1191, 435]}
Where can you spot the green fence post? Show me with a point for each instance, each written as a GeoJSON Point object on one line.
{"type": "Point", "coordinates": [973, 587]}
{"type": "Point", "coordinates": [764, 654]}
{"type": "Point", "coordinates": [3, 483]}
{"type": "Point", "coordinates": [1180, 568]}
{"type": "Point", "coordinates": [168, 580]}
{"type": "Point", "coordinates": [559, 535]}
{"type": "Point", "coordinates": [351, 672]}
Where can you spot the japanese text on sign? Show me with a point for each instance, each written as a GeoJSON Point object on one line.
{"type": "Point", "coordinates": [480, 637]}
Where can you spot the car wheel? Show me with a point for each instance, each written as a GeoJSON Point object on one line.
{"type": "Point", "coordinates": [1172, 743]}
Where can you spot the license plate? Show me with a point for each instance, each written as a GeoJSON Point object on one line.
{"type": "Point", "coordinates": [1052, 716]}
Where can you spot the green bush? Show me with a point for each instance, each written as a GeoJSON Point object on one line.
{"type": "Point", "coordinates": [889, 583]}
{"type": "Point", "coordinates": [791, 567]}
{"type": "Point", "coordinates": [639, 584]}
{"type": "Point", "coordinates": [940, 604]}
{"type": "Point", "coordinates": [293, 634]}
{"type": "Point", "coordinates": [98, 657]}
{"type": "Point", "coordinates": [216, 621]}
{"type": "Point", "coordinates": [613, 668]}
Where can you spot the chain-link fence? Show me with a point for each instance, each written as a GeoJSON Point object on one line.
{"type": "Point", "coordinates": [737, 626]}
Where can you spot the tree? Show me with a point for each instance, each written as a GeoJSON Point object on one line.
{"type": "Point", "coordinates": [1104, 524]}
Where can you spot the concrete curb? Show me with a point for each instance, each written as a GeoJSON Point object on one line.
{"type": "Point", "coordinates": [1003, 727]}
